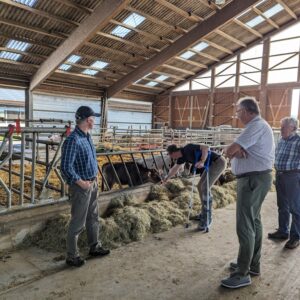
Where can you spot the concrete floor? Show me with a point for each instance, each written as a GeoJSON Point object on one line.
{"type": "Point", "coordinates": [177, 264]}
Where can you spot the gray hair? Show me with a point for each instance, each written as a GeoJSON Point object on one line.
{"type": "Point", "coordinates": [291, 122]}
{"type": "Point", "coordinates": [249, 104]}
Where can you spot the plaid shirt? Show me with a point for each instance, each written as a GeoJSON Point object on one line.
{"type": "Point", "coordinates": [78, 158]}
{"type": "Point", "coordinates": [287, 154]}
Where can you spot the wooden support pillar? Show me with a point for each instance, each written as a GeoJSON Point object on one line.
{"type": "Point", "coordinates": [264, 78]}
{"type": "Point", "coordinates": [236, 88]}
{"type": "Point", "coordinates": [191, 102]}
{"type": "Point", "coordinates": [212, 98]}
{"type": "Point", "coordinates": [103, 121]}
{"type": "Point", "coordinates": [28, 107]}
{"type": "Point", "coordinates": [298, 77]}
{"type": "Point", "coordinates": [170, 111]}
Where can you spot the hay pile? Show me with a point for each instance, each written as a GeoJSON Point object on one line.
{"type": "Point", "coordinates": [127, 220]}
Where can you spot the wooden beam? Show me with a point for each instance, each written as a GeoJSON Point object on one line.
{"type": "Point", "coordinates": [240, 50]}
{"type": "Point", "coordinates": [115, 62]}
{"type": "Point", "coordinates": [188, 15]}
{"type": "Point", "coordinates": [90, 77]}
{"type": "Point", "coordinates": [133, 90]}
{"type": "Point", "coordinates": [159, 81]}
{"type": "Point", "coordinates": [288, 10]}
{"type": "Point", "coordinates": [41, 13]}
{"type": "Point", "coordinates": [144, 33]}
{"type": "Point", "coordinates": [127, 42]}
{"type": "Point", "coordinates": [253, 31]}
{"type": "Point", "coordinates": [230, 38]}
{"type": "Point", "coordinates": [96, 69]}
{"type": "Point", "coordinates": [203, 54]}
{"type": "Point", "coordinates": [148, 87]}
{"type": "Point", "coordinates": [217, 46]}
{"type": "Point", "coordinates": [271, 22]}
{"type": "Point", "coordinates": [27, 40]}
{"type": "Point", "coordinates": [102, 14]}
{"type": "Point", "coordinates": [82, 8]}
{"type": "Point", "coordinates": [205, 3]}
{"type": "Point", "coordinates": [18, 63]}
{"type": "Point", "coordinates": [158, 21]}
{"type": "Point", "coordinates": [43, 57]}
{"type": "Point", "coordinates": [177, 69]}
{"type": "Point", "coordinates": [168, 74]}
{"type": "Point", "coordinates": [191, 62]}
{"type": "Point", "coordinates": [115, 51]}
{"type": "Point", "coordinates": [218, 19]}
{"type": "Point", "coordinates": [33, 29]}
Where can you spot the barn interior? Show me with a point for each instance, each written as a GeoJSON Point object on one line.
{"type": "Point", "coordinates": [158, 72]}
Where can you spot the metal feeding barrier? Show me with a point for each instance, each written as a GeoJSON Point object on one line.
{"type": "Point", "coordinates": [33, 154]}
{"type": "Point", "coordinates": [128, 166]}
{"type": "Point", "coordinates": [24, 153]}
{"type": "Point", "coordinates": [20, 147]}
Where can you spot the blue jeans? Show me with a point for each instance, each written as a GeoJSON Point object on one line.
{"type": "Point", "coordinates": [288, 202]}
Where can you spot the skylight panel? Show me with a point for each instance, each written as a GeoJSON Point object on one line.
{"type": "Point", "coordinates": [10, 55]}
{"type": "Point", "coordinates": [30, 3]}
{"type": "Point", "coordinates": [273, 11]}
{"type": "Point", "coordinates": [201, 46]}
{"type": "Point", "coordinates": [120, 31]}
{"type": "Point", "coordinates": [99, 64]}
{"type": "Point", "coordinates": [255, 21]}
{"type": "Point", "coordinates": [89, 72]}
{"type": "Point", "coordinates": [64, 67]}
{"type": "Point", "coordinates": [187, 54]}
{"type": "Point", "coordinates": [134, 20]}
{"type": "Point", "coordinates": [73, 59]}
{"type": "Point", "coordinates": [152, 83]}
{"type": "Point", "coordinates": [162, 77]}
{"type": "Point", "coordinates": [17, 45]}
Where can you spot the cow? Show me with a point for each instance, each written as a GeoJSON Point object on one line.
{"type": "Point", "coordinates": [162, 163]}
{"type": "Point", "coordinates": [147, 174]}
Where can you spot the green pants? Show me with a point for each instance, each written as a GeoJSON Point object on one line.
{"type": "Point", "coordinates": [251, 192]}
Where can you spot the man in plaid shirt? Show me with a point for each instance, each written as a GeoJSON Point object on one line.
{"type": "Point", "coordinates": [79, 168]}
{"type": "Point", "coordinates": [287, 165]}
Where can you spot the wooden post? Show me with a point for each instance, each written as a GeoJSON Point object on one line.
{"type": "Point", "coordinates": [103, 121]}
{"type": "Point", "coordinates": [236, 88]}
{"type": "Point", "coordinates": [170, 111]}
{"type": "Point", "coordinates": [211, 97]}
{"type": "Point", "coordinates": [264, 78]}
{"type": "Point", "coordinates": [191, 101]}
{"type": "Point", "coordinates": [28, 107]}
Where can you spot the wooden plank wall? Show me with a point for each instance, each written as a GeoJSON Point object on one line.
{"type": "Point", "coordinates": [222, 110]}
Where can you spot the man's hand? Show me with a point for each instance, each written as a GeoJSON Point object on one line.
{"type": "Point", "coordinates": [85, 185]}
{"type": "Point", "coordinates": [241, 154]}
{"type": "Point", "coordinates": [164, 180]}
{"type": "Point", "coordinates": [199, 164]}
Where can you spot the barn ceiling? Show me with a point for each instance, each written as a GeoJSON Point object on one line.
{"type": "Point", "coordinates": [146, 47]}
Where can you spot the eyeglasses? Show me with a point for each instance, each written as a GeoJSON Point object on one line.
{"type": "Point", "coordinates": [238, 110]}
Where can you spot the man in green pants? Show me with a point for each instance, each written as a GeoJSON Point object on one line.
{"type": "Point", "coordinates": [252, 155]}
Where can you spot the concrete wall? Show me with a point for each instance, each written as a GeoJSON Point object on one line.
{"type": "Point", "coordinates": [16, 224]}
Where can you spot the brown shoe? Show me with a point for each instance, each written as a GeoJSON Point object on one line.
{"type": "Point", "coordinates": [277, 235]}
{"type": "Point", "coordinates": [292, 244]}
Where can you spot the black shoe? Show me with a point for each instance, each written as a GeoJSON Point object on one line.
{"type": "Point", "coordinates": [277, 235]}
{"type": "Point", "coordinates": [254, 272]}
{"type": "Point", "coordinates": [75, 261]}
{"type": "Point", "coordinates": [98, 251]}
{"type": "Point", "coordinates": [292, 244]}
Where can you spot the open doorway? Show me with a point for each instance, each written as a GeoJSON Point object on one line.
{"type": "Point", "coordinates": [295, 103]}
